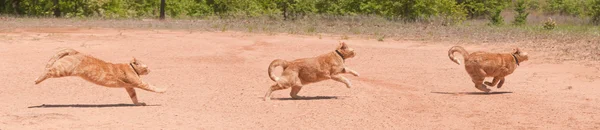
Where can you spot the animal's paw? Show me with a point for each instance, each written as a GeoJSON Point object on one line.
{"type": "Point", "coordinates": [484, 89]}
{"type": "Point", "coordinates": [297, 97]}
{"type": "Point", "coordinates": [161, 90]}
{"type": "Point", "coordinates": [140, 104]}
{"type": "Point", "coordinates": [37, 81]}
{"type": "Point", "coordinates": [349, 85]}
{"type": "Point", "coordinates": [355, 73]}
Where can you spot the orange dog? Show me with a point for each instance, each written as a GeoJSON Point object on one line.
{"type": "Point", "coordinates": [309, 70]}
{"type": "Point", "coordinates": [69, 62]}
{"type": "Point", "coordinates": [482, 64]}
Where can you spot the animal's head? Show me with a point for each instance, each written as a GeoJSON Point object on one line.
{"type": "Point", "coordinates": [522, 55]}
{"type": "Point", "coordinates": [346, 51]}
{"type": "Point", "coordinates": [140, 67]}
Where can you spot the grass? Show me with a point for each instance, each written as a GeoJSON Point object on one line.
{"type": "Point", "coordinates": [570, 41]}
{"type": "Point", "coordinates": [380, 38]}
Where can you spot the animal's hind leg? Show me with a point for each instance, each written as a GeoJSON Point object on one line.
{"type": "Point", "coordinates": [294, 92]}
{"type": "Point", "coordinates": [52, 73]}
{"type": "Point", "coordinates": [479, 84]}
{"type": "Point", "coordinates": [42, 78]}
{"type": "Point", "coordinates": [274, 87]}
{"type": "Point", "coordinates": [133, 97]}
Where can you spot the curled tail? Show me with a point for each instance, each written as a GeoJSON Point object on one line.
{"type": "Point", "coordinates": [274, 64]}
{"type": "Point", "coordinates": [62, 53]}
{"type": "Point", "coordinates": [460, 50]}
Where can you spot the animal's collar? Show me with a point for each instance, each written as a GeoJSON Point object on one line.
{"type": "Point", "coordinates": [134, 69]}
{"type": "Point", "coordinates": [338, 52]}
{"type": "Point", "coordinates": [517, 60]}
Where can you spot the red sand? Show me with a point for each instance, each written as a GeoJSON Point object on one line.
{"type": "Point", "coordinates": [217, 80]}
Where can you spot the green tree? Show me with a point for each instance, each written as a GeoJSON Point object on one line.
{"type": "Point", "coordinates": [521, 10]}
{"type": "Point", "coordinates": [483, 8]}
{"type": "Point", "coordinates": [595, 12]}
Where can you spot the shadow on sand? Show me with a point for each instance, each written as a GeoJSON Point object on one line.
{"type": "Point", "coordinates": [87, 105]}
{"type": "Point", "coordinates": [310, 98]}
{"type": "Point", "coordinates": [472, 93]}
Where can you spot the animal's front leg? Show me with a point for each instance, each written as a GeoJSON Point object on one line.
{"type": "Point", "coordinates": [342, 79]}
{"type": "Point", "coordinates": [133, 97]}
{"type": "Point", "coordinates": [348, 70]}
{"type": "Point", "coordinates": [294, 92]}
{"type": "Point", "coordinates": [493, 83]}
{"type": "Point", "coordinates": [479, 84]}
{"type": "Point", "coordinates": [501, 82]}
{"type": "Point", "coordinates": [151, 88]}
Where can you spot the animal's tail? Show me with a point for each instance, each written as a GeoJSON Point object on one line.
{"type": "Point", "coordinates": [62, 53]}
{"type": "Point", "coordinates": [460, 50]}
{"type": "Point", "coordinates": [274, 64]}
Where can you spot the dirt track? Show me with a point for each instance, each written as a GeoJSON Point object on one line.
{"type": "Point", "coordinates": [217, 80]}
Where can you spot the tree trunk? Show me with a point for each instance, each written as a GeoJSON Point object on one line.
{"type": "Point", "coordinates": [2, 6]}
{"type": "Point", "coordinates": [16, 4]}
{"type": "Point", "coordinates": [162, 10]}
{"type": "Point", "coordinates": [56, 9]}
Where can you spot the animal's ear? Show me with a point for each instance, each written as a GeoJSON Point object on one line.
{"type": "Point", "coordinates": [516, 51]}
{"type": "Point", "coordinates": [343, 45]}
{"type": "Point", "coordinates": [133, 60]}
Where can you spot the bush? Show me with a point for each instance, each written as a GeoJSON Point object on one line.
{"type": "Point", "coordinates": [566, 7]}
{"type": "Point", "coordinates": [409, 10]}
{"type": "Point", "coordinates": [594, 12]}
{"type": "Point", "coordinates": [339, 7]}
{"type": "Point", "coordinates": [451, 12]}
{"type": "Point", "coordinates": [416, 10]}
{"type": "Point", "coordinates": [549, 24]}
{"type": "Point", "coordinates": [199, 8]}
{"type": "Point", "coordinates": [294, 9]}
{"type": "Point", "coordinates": [448, 11]}
{"type": "Point", "coordinates": [521, 10]}
{"type": "Point", "coordinates": [496, 19]}
{"type": "Point", "coordinates": [483, 8]}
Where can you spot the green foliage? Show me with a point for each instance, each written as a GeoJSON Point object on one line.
{"type": "Point", "coordinates": [496, 19]}
{"type": "Point", "coordinates": [293, 9]}
{"type": "Point", "coordinates": [339, 7]}
{"type": "Point", "coordinates": [594, 11]}
{"type": "Point", "coordinates": [483, 8]}
{"type": "Point", "coordinates": [415, 10]}
{"type": "Point", "coordinates": [566, 7]}
{"type": "Point", "coordinates": [198, 8]}
{"type": "Point", "coordinates": [409, 10]}
{"type": "Point", "coordinates": [451, 12]}
{"type": "Point", "coordinates": [448, 11]}
{"type": "Point", "coordinates": [521, 12]}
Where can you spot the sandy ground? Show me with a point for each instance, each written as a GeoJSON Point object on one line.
{"type": "Point", "coordinates": [216, 81]}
